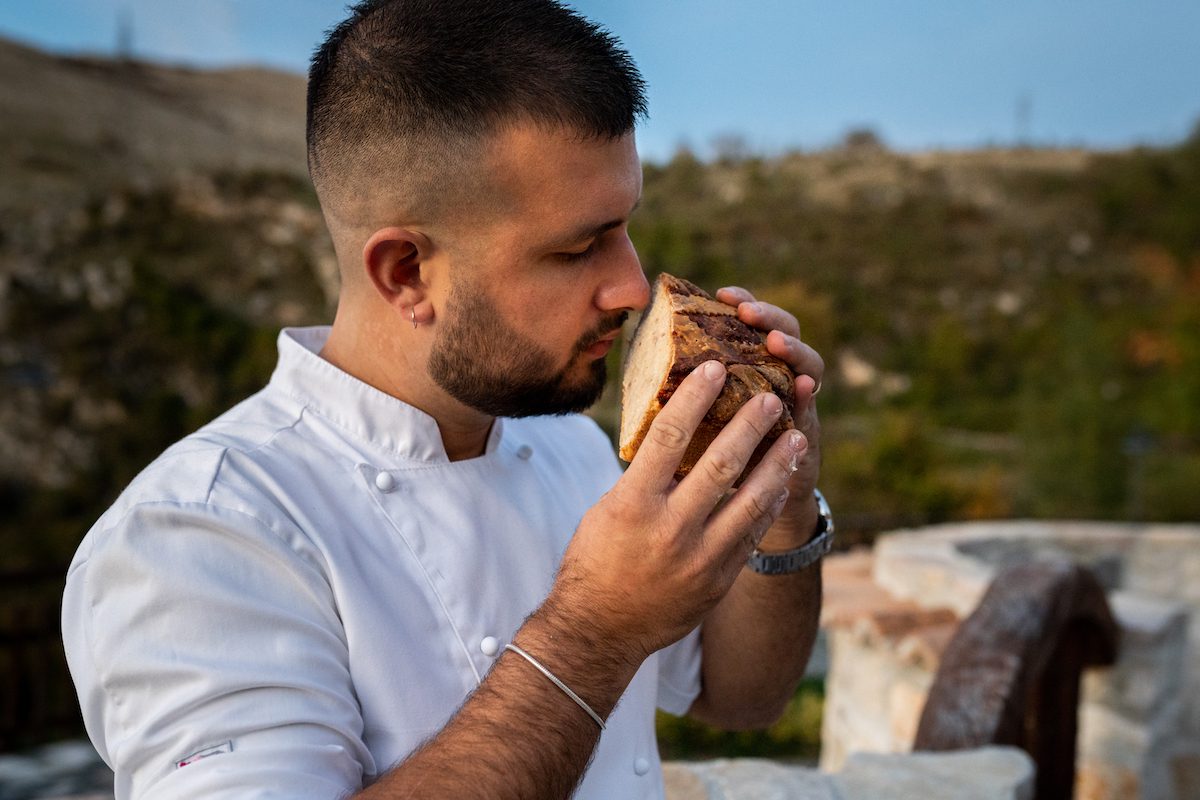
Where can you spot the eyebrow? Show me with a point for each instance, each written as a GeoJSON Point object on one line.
{"type": "Point", "coordinates": [595, 231]}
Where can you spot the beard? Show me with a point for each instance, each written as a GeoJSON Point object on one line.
{"type": "Point", "coordinates": [479, 360]}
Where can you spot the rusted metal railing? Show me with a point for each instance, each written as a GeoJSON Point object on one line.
{"type": "Point", "coordinates": [1011, 673]}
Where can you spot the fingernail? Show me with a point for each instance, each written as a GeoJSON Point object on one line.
{"type": "Point", "coordinates": [713, 370]}
{"type": "Point", "coordinates": [779, 502]}
{"type": "Point", "coordinates": [794, 440]}
{"type": "Point", "coordinates": [771, 404]}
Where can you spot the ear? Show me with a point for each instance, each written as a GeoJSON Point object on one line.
{"type": "Point", "coordinates": [392, 259]}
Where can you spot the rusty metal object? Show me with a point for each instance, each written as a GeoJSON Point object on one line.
{"type": "Point", "coordinates": [1011, 673]}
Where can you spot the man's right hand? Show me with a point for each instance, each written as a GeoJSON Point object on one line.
{"type": "Point", "coordinates": [654, 555]}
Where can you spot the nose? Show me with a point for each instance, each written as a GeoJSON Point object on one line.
{"type": "Point", "coordinates": [625, 287]}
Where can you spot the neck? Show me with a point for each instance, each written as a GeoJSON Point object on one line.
{"type": "Point", "coordinates": [393, 361]}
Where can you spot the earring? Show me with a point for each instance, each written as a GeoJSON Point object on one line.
{"type": "Point", "coordinates": [413, 311]}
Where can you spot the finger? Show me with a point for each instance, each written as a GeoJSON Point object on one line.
{"type": "Point", "coordinates": [734, 295]}
{"type": "Point", "coordinates": [807, 388]}
{"type": "Point", "coordinates": [757, 314]}
{"type": "Point", "coordinates": [767, 317]}
{"type": "Point", "coordinates": [802, 358]}
{"type": "Point", "coordinates": [804, 412]}
{"type": "Point", "coordinates": [725, 459]}
{"type": "Point", "coordinates": [760, 500]}
{"type": "Point", "coordinates": [653, 467]}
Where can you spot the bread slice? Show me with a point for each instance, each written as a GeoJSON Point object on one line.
{"type": "Point", "coordinates": [682, 328]}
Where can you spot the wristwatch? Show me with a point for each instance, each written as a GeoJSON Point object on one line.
{"type": "Point", "coordinates": [790, 561]}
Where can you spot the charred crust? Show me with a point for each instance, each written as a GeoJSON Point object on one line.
{"type": "Point", "coordinates": [728, 331]}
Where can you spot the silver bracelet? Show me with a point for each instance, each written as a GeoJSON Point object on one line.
{"type": "Point", "coordinates": [557, 682]}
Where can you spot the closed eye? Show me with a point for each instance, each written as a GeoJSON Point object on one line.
{"type": "Point", "coordinates": [578, 255]}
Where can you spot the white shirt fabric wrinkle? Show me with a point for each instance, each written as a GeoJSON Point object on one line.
{"type": "Point", "coordinates": [290, 600]}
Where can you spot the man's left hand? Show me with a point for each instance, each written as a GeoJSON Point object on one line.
{"type": "Point", "coordinates": [799, 516]}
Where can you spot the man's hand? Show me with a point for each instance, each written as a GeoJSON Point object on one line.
{"type": "Point", "coordinates": [655, 555]}
{"type": "Point", "coordinates": [799, 517]}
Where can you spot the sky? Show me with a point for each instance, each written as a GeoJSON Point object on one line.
{"type": "Point", "coordinates": [777, 74]}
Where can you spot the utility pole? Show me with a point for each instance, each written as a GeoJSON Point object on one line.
{"type": "Point", "coordinates": [124, 50]}
{"type": "Point", "coordinates": [1024, 120]}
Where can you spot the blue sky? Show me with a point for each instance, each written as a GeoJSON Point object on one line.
{"type": "Point", "coordinates": [780, 73]}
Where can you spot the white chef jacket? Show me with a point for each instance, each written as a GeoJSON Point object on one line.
{"type": "Point", "coordinates": [290, 600]}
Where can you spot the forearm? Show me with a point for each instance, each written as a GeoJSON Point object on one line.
{"type": "Point", "coordinates": [756, 645]}
{"type": "Point", "coordinates": [758, 639]}
{"type": "Point", "coordinates": [518, 735]}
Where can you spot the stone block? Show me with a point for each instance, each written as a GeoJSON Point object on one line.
{"type": "Point", "coordinates": [1185, 774]}
{"type": "Point", "coordinates": [682, 783]}
{"type": "Point", "coordinates": [1164, 561]}
{"type": "Point", "coordinates": [1097, 781]}
{"type": "Point", "coordinates": [873, 699]}
{"type": "Point", "coordinates": [905, 704]}
{"type": "Point", "coordinates": [745, 779]}
{"type": "Point", "coordinates": [1189, 713]}
{"type": "Point", "coordinates": [927, 569]}
{"type": "Point", "coordinates": [989, 773]}
{"type": "Point", "coordinates": [1121, 758]}
{"type": "Point", "coordinates": [1147, 681]}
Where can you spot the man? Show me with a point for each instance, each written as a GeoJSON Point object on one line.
{"type": "Point", "coordinates": [389, 574]}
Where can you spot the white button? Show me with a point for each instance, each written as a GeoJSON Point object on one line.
{"type": "Point", "coordinates": [384, 482]}
{"type": "Point", "coordinates": [641, 766]}
{"type": "Point", "coordinates": [524, 452]}
{"type": "Point", "coordinates": [489, 646]}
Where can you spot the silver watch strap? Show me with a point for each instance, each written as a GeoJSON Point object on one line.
{"type": "Point", "coordinates": [795, 560]}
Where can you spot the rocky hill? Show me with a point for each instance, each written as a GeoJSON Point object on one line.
{"type": "Point", "coordinates": [156, 224]}
{"type": "Point", "coordinates": [72, 125]}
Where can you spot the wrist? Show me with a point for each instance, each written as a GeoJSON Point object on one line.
{"type": "Point", "coordinates": [597, 669]}
{"type": "Point", "coordinates": [786, 562]}
{"type": "Point", "coordinates": [798, 525]}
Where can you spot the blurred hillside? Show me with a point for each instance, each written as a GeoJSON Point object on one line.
{"type": "Point", "coordinates": [78, 126]}
{"type": "Point", "coordinates": [1008, 332]}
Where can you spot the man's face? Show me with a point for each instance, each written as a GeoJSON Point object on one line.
{"type": "Point", "coordinates": [539, 294]}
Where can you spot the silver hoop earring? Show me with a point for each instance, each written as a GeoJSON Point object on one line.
{"type": "Point", "coordinates": [413, 311]}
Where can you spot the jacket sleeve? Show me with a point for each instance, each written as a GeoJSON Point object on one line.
{"type": "Point", "coordinates": [679, 674]}
{"type": "Point", "coordinates": [210, 661]}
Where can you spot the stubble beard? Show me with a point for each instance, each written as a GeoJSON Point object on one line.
{"type": "Point", "coordinates": [479, 360]}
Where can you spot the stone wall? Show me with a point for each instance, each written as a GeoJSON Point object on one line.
{"type": "Point", "coordinates": [889, 613]}
{"type": "Point", "coordinates": [989, 773]}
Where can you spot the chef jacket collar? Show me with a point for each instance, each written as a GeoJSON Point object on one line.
{"type": "Point", "coordinates": [356, 407]}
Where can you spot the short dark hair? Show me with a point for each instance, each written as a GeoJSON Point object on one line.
{"type": "Point", "coordinates": [410, 81]}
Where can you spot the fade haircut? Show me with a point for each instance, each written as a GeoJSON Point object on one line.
{"type": "Point", "coordinates": [403, 92]}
